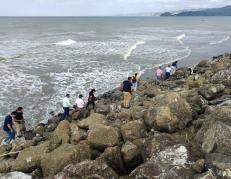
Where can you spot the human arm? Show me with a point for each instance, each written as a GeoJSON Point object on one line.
{"type": "Point", "coordinates": [9, 127]}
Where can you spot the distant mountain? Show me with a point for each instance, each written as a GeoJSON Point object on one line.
{"type": "Point", "coordinates": [223, 11]}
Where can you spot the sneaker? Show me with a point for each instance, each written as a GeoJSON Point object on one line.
{"type": "Point", "coordinates": [4, 142]}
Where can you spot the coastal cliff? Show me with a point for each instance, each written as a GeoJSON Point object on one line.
{"type": "Point", "coordinates": [179, 129]}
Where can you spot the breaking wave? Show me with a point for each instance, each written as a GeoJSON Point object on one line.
{"type": "Point", "coordinates": [132, 48]}
{"type": "Point", "coordinates": [66, 42]}
{"type": "Point", "coordinates": [220, 41]}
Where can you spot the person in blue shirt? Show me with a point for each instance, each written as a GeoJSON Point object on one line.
{"type": "Point", "coordinates": [8, 128]}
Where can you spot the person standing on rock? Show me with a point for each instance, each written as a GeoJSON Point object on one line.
{"type": "Point", "coordinates": [66, 105]}
{"type": "Point", "coordinates": [159, 75]}
{"type": "Point", "coordinates": [19, 121]}
{"type": "Point", "coordinates": [168, 72]}
{"type": "Point", "coordinates": [135, 81]}
{"type": "Point", "coordinates": [91, 99]}
{"type": "Point", "coordinates": [127, 92]}
{"type": "Point", "coordinates": [8, 128]}
{"type": "Point", "coordinates": [80, 104]}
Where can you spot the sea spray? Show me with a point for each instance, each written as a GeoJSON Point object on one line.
{"type": "Point", "coordinates": [132, 48]}
{"type": "Point", "coordinates": [180, 38]}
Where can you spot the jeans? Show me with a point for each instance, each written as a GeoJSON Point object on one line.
{"type": "Point", "coordinates": [167, 75]}
{"type": "Point", "coordinates": [134, 86]}
{"type": "Point", "coordinates": [11, 136]}
{"type": "Point", "coordinates": [66, 112]}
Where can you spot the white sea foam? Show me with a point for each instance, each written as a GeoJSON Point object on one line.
{"type": "Point", "coordinates": [132, 48]}
{"type": "Point", "coordinates": [180, 38]}
{"type": "Point", "coordinates": [220, 41]}
{"type": "Point", "coordinates": [66, 42]}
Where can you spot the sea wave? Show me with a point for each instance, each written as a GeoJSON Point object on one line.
{"type": "Point", "coordinates": [132, 48]}
{"type": "Point", "coordinates": [66, 42]}
{"type": "Point", "coordinates": [180, 38]}
{"type": "Point", "coordinates": [220, 41]}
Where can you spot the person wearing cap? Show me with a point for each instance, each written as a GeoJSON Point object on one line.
{"type": "Point", "coordinates": [66, 105]}
{"type": "Point", "coordinates": [80, 104]}
{"type": "Point", "coordinates": [91, 99]}
{"type": "Point", "coordinates": [127, 92]}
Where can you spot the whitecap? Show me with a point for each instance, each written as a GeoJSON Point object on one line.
{"type": "Point", "coordinates": [132, 48]}
{"type": "Point", "coordinates": [66, 42]}
{"type": "Point", "coordinates": [220, 41]}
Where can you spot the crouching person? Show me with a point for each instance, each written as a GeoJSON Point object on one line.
{"type": "Point", "coordinates": [8, 128]}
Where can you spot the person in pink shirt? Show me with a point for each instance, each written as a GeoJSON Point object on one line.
{"type": "Point", "coordinates": [159, 74]}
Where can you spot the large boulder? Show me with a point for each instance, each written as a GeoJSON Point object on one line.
{"type": "Point", "coordinates": [102, 108]}
{"type": "Point", "coordinates": [77, 134]}
{"type": "Point", "coordinates": [55, 161]}
{"type": "Point", "coordinates": [102, 137]}
{"type": "Point", "coordinates": [170, 113]}
{"type": "Point", "coordinates": [92, 121]}
{"type": "Point", "coordinates": [87, 169]}
{"type": "Point", "coordinates": [215, 137]}
{"type": "Point", "coordinates": [223, 76]}
{"type": "Point", "coordinates": [30, 158]}
{"type": "Point", "coordinates": [113, 157]}
{"type": "Point", "coordinates": [131, 155]}
{"type": "Point", "coordinates": [211, 91]}
{"type": "Point", "coordinates": [137, 112]}
{"type": "Point", "coordinates": [63, 131]}
{"type": "Point", "coordinates": [133, 130]}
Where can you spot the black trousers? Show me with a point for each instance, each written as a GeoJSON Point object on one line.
{"type": "Point", "coordinates": [89, 103]}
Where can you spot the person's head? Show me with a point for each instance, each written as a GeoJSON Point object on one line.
{"type": "Point", "coordinates": [68, 95]}
{"type": "Point", "coordinates": [13, 114]}
{"type": "Point", "coordinates": [93, 90]}
{"type": "Point", "coordinates": [80, 96]}
{"type": "Point", "coordinates": [19, 109]}
{"type": "Point", "coordinates": [168, 65]}
{"type": "Point", "coordinates": [176, 61]}
{"type": "Point", "coordinates": [159, 67]}
{"type": "Point", "coordinates": [129, 78]}
{"type": "Point", "coordinates": [136, 74]}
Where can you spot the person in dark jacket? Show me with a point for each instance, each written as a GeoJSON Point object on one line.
{"type": "Point", "coordinates": [91, 99]}
{"type": "Point", "coordinates": [127, 92]}
{"type": "Point", "coordinates": [8, 128]}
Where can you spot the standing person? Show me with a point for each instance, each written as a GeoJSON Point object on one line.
{"type": "Point", "coordinates": [8, 128]}
{"type": "Point", "coordinates": [66, 105]}
{"type": "Point", "coordinates": [91, 99]}
{"type": "Point", "coordinates": [80, 104]}
{"type": "Point", "coordinates": [168, 72]}
{"type": "Point", "coordinates": [19, 121]}
{"type": "Point", "coordinates": [159, 74]}
{"type": "Point", "coordinates": [135, 81]}
{"type": "Point", "coordinates": [127, 92]}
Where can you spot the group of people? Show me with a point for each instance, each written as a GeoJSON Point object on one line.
{"type": "Point", "coordinates": [80, 104]}
{"type": "Point", "coordinates": [128, 86]}
{"type": "Point", "coordinates": [15, 119]}
{"type": "Point", "coordinates": [169, 70]}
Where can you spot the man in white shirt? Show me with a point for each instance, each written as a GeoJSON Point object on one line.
{"type": "Point", "coordinates": [79, 102]}
{"type": "Point", "coordinates": [66, 105]}
{"type": "Point", "coordinates": [168, 72]}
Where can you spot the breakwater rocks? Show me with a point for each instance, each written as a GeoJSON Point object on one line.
{"type": "Point", "coordinates": [179, 129]}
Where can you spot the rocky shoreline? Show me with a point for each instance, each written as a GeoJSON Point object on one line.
{"type": "Point", "coordinates": [180, 129]}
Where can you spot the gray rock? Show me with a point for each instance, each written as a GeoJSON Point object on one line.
{"type": "Point", "coordinates": [210, 91]}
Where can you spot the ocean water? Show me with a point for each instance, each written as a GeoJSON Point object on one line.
{"type": "Point", "coordinates": [45, 58]}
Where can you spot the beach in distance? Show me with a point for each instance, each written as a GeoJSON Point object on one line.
{"type": "Point", "coordinates": [43, 58]}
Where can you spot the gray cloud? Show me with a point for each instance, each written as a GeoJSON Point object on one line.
{"type": "Point", "coordinates": [100, 7]}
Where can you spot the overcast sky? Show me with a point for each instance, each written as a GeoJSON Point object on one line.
{"type": "Point", "coordinates": [99, 7]}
